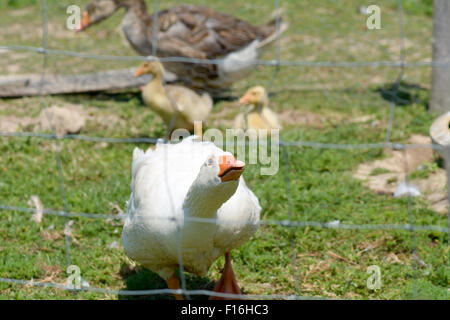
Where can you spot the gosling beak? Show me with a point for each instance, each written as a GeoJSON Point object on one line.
{"type": "Point", "coordinates": [230, 168]}
{"type": "Point", "coordinates": [139, 72]}
{"type": "Point", "coordinates": [245, 99]}
{"type": "Point", "coordinates": [85, 21]}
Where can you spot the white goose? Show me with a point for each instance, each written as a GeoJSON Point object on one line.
{"type": "Point", "coordinates": [175, 182]}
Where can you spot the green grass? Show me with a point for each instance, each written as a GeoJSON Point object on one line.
{"type": "Point", "coordinates": [378, 171]}
{"type": "Point", "coordinates": [97, 175]}
{"type": "Point", "coordinates": [424, 170]}
{"type": "Point", "coordinates": [419, 6]}
{"type": "Point", "coordinates": [17, 3]}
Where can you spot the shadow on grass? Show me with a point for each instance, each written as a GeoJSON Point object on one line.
{"type": "Point", "coordinates": [141, 278]}
{"type": "Point", "coordinates": [127, 95]}
{"type": "Point", "coordinates": [404, 93]}
{"type": "Point", "coordinates": [120, 96]}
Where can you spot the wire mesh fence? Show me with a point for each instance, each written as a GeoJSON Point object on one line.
{"type": "Point", "coordinates": [277, 64]}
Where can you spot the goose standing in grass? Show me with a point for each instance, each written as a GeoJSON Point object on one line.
{"type": "Point", "coordinates": [172, 186]}
{"type": "Point", "coordinates": [259, 116]}
{"type": "Point", "coordinates": [195, 32]}
{"type": "Point", "coordinates": [173, 102]}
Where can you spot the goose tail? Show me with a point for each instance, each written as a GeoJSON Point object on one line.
{"type": "Point", "coordinates": [275, 28]}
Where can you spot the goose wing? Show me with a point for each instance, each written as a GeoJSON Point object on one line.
{"type": "Point", "coordinates": [200, 32]}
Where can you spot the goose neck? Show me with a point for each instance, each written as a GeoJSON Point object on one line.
{"type": "Point", "coordinates": [135, 25]}
{"type": "Point", "coordinates": [203, 202]}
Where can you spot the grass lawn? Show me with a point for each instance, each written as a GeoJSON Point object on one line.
{"type": "Point", "coordinates": [306, 261]}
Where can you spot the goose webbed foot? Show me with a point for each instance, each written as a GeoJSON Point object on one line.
{"type": "Point", "coordinates": [227, 282]}
{"type": "Point", "coordinates": [174, 284]}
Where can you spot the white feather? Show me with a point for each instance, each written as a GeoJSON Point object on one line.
{"type": "Point", "coordinates": [239, 61]}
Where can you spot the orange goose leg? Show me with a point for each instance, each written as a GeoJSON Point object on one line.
{"type": "Point", "coordinates": [227, 282]}
{"type": "Point", "coordinates": [174, 284]}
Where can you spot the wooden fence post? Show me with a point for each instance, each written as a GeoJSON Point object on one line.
{"type": "Point", "coordinates": [440, 75]}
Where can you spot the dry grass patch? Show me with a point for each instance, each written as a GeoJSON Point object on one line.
{"type": "Point", "coordinates": [384, 175]}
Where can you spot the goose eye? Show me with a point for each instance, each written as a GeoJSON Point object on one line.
{"type": "Point", "coordinates": [210, 162]}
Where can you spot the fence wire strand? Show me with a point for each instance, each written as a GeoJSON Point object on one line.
{"type": "Point", "coordinates": [277, 63]}
{"type": "Point", "coordinates": [257, 62]}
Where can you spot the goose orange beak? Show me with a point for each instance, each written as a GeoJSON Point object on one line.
{"type": "Point", "coordinates": [230, 168]}
{"type": "Point", "coordinates": [139, 72]}
{"type": "Point", "coordinates": [85, 21]}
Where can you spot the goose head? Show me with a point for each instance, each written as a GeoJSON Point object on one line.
{"type": "Point", "coordinates": [96, 11]}
{"type": "Point", "coordinates": [256, 96]}
{"type": "Point", "coordinates": [155, 68]}
{"type": "Point", "coordinates": [224, 168]}
{"type": "Point", "coordinates": [99, 10]}
{"type": "Point", "coordinates": [216, 182]}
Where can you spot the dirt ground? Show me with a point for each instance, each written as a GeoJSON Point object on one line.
{"type": "Point", "coordinates": [65, 118]}
{"type": "Point", "coordinates": [392, 172]}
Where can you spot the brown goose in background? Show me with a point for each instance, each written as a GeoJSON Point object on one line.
{"type": "Point", "coordinates": [190, 31]}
